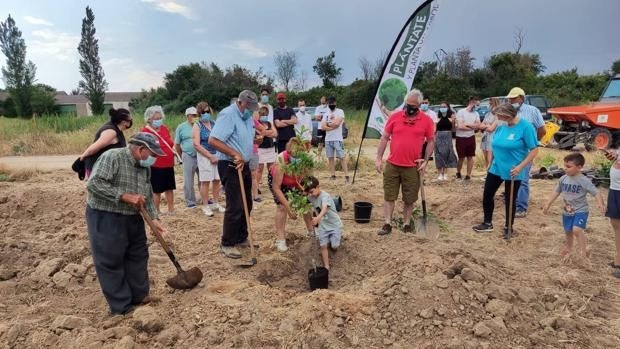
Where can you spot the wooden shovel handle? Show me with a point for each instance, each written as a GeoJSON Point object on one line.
{"type": "Point", "coordinates": [158, 236]}
{"type": "Point", "coordinates": [247, 213]}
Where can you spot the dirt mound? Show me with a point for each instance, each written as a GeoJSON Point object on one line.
{"type": "Point", "coordinates": [460, 291]}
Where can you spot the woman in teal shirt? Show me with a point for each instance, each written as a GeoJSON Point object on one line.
{"type": "Point", "coordinates": [514, 146]}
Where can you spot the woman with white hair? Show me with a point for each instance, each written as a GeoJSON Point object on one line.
{"type": "Point", "coordinates": [162, 171]}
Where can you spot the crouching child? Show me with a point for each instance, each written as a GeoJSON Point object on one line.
{"type": "Point", "coordinates": [329, 232]}
{"type": "Point", "coordinates": [574, 187]}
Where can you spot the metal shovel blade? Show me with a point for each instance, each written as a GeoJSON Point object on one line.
{"type": "Point", "coordinates": [250, 264]}
{"type": "Point", "coordinates": [185, 280]}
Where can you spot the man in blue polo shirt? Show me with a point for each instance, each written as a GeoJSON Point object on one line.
{"type": "Point", "coordinates": [529, 113]}
{"type": "Point", "coordinates": [233, 137]}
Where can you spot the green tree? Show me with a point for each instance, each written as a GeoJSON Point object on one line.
{"type": "Point", "coordinates": [93, 84]}
{"type": "Point", "coordinates": [18, 74]}
{"type": "Point", "coordinates": [615, 67]}
{"type": "Point", "coordinates": [326, 69]}
{"type": "Point", "coordinates": [43, 101]}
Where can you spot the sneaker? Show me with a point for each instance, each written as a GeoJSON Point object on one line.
{"type": "Point", "coordinates": [191, 205]}
{"type": "Point", "coordinates": [281, 245]}
{"type": "Point", "coordinates": [444, 177]}
{"type": "Point", "coordinates": [520, 214]}
{"type": "Point", "coordinates": [386, 229]}
{"type": "Point", "coordinates": [258, 199]}
{"type": "Point", "coordinates": [207, 210]}
{"type": "Point", "coordinates": [467, 178]}
{"type": "Point", "coordinates": [483, 228]}
{"type": "Point", "coordinates": [217, 208]}
{"type": "Point", "coordinates": [407, 228]}
{"type": "Point", "coordinates": [458, 175]}
{"type": "Point", "coordinates": [230, 252]}
{"type": "Point", "coordinates": [440, 177]}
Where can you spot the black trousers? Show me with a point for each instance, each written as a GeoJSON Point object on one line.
{"type": "Point", "coordinates": [281, 145]}
{"type": "Point", "coordinates": [491, 184]}
{"type": "Point", "coordinates": [120, 255]}
{"type": "Point", "coordinates": [235, 229]}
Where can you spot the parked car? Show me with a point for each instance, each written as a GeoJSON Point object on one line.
{"type": "Point", "coordinates": [539, 101]}
{"type": "Point", "coordinates": [455, 107]}
{"type": "Point", "coordinates": [596, 125]}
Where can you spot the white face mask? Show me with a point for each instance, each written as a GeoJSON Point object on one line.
{"type": "Point", "coordinates": [302, 109]}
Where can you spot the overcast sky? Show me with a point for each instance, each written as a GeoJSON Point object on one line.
{"type": "Point", "coordinates": [141, 40]}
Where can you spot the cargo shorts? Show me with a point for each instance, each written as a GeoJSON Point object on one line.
{"type": "Point", "coordinates": [397, 177]}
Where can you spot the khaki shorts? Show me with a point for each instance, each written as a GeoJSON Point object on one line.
{"type": "Point", "coordinates": [395, 177]}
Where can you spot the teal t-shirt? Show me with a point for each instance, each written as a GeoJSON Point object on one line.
{"type": "Point", "coordinates": [511, 144]}
{"type": "Point", "coordinates": [183, 136]}
{"type": "Point", "coordinates": [331, 220]}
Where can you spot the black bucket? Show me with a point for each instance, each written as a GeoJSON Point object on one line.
{"type": "Point", "coordinates": [318, 278]}
{"type": "Point", "coordinates": [361, 211]}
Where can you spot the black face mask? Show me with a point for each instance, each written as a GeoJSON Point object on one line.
{"type": "Point", "coordinates": [332, 107]}
{"type": "Point", "coordinates": [281, 104]}
{"type": "Point", "coordinates": [411, 110]}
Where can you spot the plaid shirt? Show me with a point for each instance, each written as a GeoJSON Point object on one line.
{"type": "Point", "coordinates": [116, 173]}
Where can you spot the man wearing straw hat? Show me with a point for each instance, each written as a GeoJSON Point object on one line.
{"type": "Point", "coordinates": [118, 186]}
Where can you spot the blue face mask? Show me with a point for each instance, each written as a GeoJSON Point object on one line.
{"type": "Point", "coordinates": [148, 162]}
{"type": "Point", "coordinates": [247, 113]}
{"type": "Point", "coordinates": [264, 119]}
{"type": "Point", "coordinates": [516, 105]}
{"type": "Point", "coordinates": [293, 160]}
{"type": "Point", "coordinates": [476, 108]}
{"type": "Point", "coordinates": [205, 117]}
{"type": "Point", "coordinates": [424, 106]}
{"type": "Point", "coordinates": [264, 99]}
{"type": "Point", "coordinates": [443, 110]}
{"type": "Point", "coordinates": [157, 123]}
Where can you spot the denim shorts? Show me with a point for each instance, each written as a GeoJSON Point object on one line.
{"type": "Point", "coordinates": [334, 149]}
{"type": "Point", "coordinates": [329, 236]}
{"type": "Point", "coordinates": [578, 219]}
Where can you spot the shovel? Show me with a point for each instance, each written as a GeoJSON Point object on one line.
{"type": "Point", "coordinates": [425, 226]}
{"type": "Point", "coordinates": [184, 279]}
{"type": "Point", "coordinates": [508, 233]}
{"type": "Point", "coordinates": [253, 261]}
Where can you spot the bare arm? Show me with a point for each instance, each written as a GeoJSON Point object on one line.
{"type": "Point", "coordinates": [540, 132]}
{"type": "Point", "coordinates": [530, 156]}
{"type": "Point", "coordinates": [550, 201]}
{"type": "Point", "coordinates": [272, 133]}
{"type": "Point", "coordinates": [106, 138]}
{"type": "Point", "coordinates": [196, 141]}
{"type": "Point", "coordinates": [491, 127]}
{"type": "Point", "coordinates": [599, 201]}
{"type": "Point", "coordinates": [385, 138]}
{"type": "Point", "coordinates": [277, 186]}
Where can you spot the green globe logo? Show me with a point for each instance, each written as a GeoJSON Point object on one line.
{"type": "Point", "coordinates": [392, 93]}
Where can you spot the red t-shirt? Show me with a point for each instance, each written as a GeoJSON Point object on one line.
{"type": "Point", "coordinates": [407, 136]}
{"type": "Point", "coordinates": [163, 133]}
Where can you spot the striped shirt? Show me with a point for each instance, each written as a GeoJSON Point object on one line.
{"type": "Point", "coordinates": [117, 173]}
{"type": "Point", "coordinates": [531, 114]}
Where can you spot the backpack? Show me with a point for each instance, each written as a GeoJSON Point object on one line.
{"type": "Point", "coordinates": [345, 130]}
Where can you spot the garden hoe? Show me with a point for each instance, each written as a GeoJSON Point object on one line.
{"type": "Point", "coordinates": [184, 279]}
{"type": "Point", "coordinates": [253, 261]}
{"type": "Point", "coordinates": [426, 226]}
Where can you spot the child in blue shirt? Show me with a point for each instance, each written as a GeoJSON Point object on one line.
{"type": "Point", "coordinates": [574, 187]}
{"type": "Point", "coordinates": [329, 230]}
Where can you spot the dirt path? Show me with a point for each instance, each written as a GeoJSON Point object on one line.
{"type": "Point", "coordinates": [41, 162]}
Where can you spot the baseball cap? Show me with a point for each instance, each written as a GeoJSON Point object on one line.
{"type": "Point", "coordinates": [516, 92]}
{"type": "Point", "coordinates": [148, 140]}
{"type": "Point", "coordinates": [250, 98]}
{"type": "Point", "coordinates": [190, 111]}
{"type": "Point", "coordinates": [280, 95]}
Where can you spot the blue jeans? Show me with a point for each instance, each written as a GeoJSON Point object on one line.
{"type": "Point", "coordinates": [523, 195]}
{"type": "Point", "coordinates": [190, 170]}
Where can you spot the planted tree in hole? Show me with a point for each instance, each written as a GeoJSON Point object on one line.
{"type": "Point", "coordinates": [300, 166]}
{"type": "Point", "coordinates": [94, 83]}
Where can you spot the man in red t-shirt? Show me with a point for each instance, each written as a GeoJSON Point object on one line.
{"type": "Point", "coordinates": [406, 129]}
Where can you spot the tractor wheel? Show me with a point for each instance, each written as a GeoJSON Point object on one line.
{"type": "Point", "coordinates": [600, 138]}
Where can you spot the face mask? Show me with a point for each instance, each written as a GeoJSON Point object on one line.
{"type": "Point", "coordinates": [302, 109]}
{"type": "Point", "coordinates": [205, 117]}
{"type": "Point", "coordinates": [130, 123]}
{"type": "Point", "coordinates": [516, 105]}
{"type": "Point", "coordinates": [264, 119]}
{"type": "Point", "coordinates": [157, 123]}
{"type": "Point", "coordinates": [293, 160]}
{"type": "Point", "coordinates": [247, 113]}
{"type": "Point", "coordinates": [264, 99]}
{"type": "Point", "coordinates": [443, 110]}
{"type": "Point", "coordinates": [424, 106]}
{"type": "Point", "coordinates": [281, 104]}
{"type": "Point", "coordinates": [476, 108]}
{"type": "Point", "coordinates": [332, 107]}
{"type": "Point", "coordinates": [148, 162]}
{"type": "Point", "coordinates": [411, 110]}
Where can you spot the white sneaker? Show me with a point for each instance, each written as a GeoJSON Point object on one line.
{"type": "Point", "coordinates": [281, 245]}
{"type": "Point", "coordinates": [207, 210]}
{"type": "Point", "coordinates": [445, 177]}
{"type": "Point", "coordinates": [440, 177]}
{"type": "Point", "coordinates": [217, 208]}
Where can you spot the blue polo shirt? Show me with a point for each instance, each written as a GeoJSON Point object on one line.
{"type": "Point", "coordinates": [237, 133]}
{"type": "Point", "coordinates": [183, 137]}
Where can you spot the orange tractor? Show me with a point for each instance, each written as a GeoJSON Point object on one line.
{"type": "Point", "coordinates": [596, 125]}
